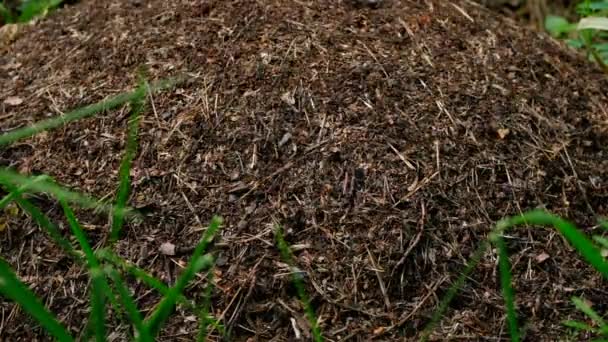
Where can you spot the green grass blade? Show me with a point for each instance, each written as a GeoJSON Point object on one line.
{"type": "Point", "coordinates": [580, 326]}
{"type": "Point", "coordinates": [34, 8]}
{"type": "Point", "coordinates": [125, 166]}
{"type": "Point", "coordinates": [98, 304]}
{"type": "Point", "coordinates": [42, 220]}
{"type": "Point", "coordinates": [6, 14]}
{"type": "Point", "coordinates": [453, 290]}
{"type": "Point", "coordinates": [78, 114]}
{"type": "Point", "coordinates": [80, 236]}
{"type": "Point", "coordinates": [12, 288]}
{"type": "Point", "coordinates": [588, 310]}
{"type": "Point", "coordinates": [140, 274]}
{"type": "Point", "coordinates": [129, 304]}
{"type": "Point", "coordinates": [17, 192]}
{"type": "Point", "coordinates": [507, 289]}
{"type": "Point", "coordinates": [197, 263]}
{"type": "Point", "coordinates": [602, 241]}
{"type": "Point", "coordinates": [578, 240]}
{"type": "Point", "coordinates": [11, 178]}
{"type": "Point", "coordinates": [204, 312]}
{"type": "Point", "coordinates": [297, 281]}
{"type": "Point", "coordinates": [84, 112]}
{"type": "Point", "coordinates": [99, 285]}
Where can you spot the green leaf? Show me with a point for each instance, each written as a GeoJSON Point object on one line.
{"type": "Point", "coordinates": [6, 15]}
{"type": "Point", "coordinates": [558, 26]}
{"type": "Point", "coordinates": [595, 23]}
{"type": "Point", "coordinates": [12, 288]}
{"type": "Point", "coordinates": [589, 7]}
{"type": "Point", "coordinates": [575, 43]}
{"type": "Point", "coordinates": [34, 8]}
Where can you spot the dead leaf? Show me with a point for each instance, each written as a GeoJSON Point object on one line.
{"type": "Point", "coordinates": [288, 98]}
{"type": "Point", "coordinates": [503, 132]}
{"type": "Point", "coordinates": [542, 257]}
{"type": "Point", "coordinates": [13, 101]}
{"type": "Point", "coordinates": [379, 330]}
{"type": "Point", "coordinates": [167, 248]}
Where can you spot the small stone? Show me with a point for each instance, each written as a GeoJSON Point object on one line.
{"type": "Point", "coordinates": [542, 257]}
{"type": "Point", "coordinates": [285, 139]}
{"type": "Point", "coordinates": [288, 98]}
{"type": "Point", "coordinates": [13, 101]}
{"type": "Point", "coordinates": [167, 248]}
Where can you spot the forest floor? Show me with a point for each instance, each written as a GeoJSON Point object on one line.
{"type": "Point", "coordinates": [387, 142]}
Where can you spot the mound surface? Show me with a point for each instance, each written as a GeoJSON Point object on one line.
{"type": "Point", "coordinates": [386, 142]}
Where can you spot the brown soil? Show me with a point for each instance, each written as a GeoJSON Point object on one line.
{"type": "Point", "coordinates": [386, 141]}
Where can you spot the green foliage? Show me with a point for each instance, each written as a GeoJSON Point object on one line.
{"type": "Point", "coordinates": [590, 32]}
{"type": "Point", "coordinates": [35, 8]}
{"type": "Point", "coordinates": [6, 14]}
{"type": "Point", "coordinates": [28, 10]}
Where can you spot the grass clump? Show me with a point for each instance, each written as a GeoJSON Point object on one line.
{"type": "Point", "coordinates": [104, 267]}
{"type": "Point", "coordinates": [585, 247]}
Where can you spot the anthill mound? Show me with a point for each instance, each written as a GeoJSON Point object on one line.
{"type": "Point", "coordinates": [386, 141]}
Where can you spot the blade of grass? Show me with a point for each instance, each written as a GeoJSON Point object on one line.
{"type": "Point", "coordinates": [197, 263]}
{"type": "Point", "coordinates": [129, 305]}
{"type": "Point", "coordinates": [579, 326]}
{"type": "Point", "coordinates": [297, 281]}
{"type": "Point", "coordinates": [453, 290]}
{"type": "Point", "coordinates": [11, 287]}
{"type": "Point", "coordinates": [11, 178]}
{"type": "Point", "coordinates": [140, 274]}
{"type": "Point", "coordinates": [588, 310]}
{"type": "Point", "coordinates": [17, 192]}
{"type": "Point", "coordinates": [204, 312]}
{"type": "Point", "coordinates": [84, 112]}
{"type": "Point", "coordinates": [98, 304]}
{"type": "Point", "coordinates": [99, 284]}
{"type": "Point", "coordinates": [125, 166]}
{"type": "Point", "coordinates": [602, 241]}
{"type": "Point", "coordinates": [42, 220]}
{"type": "Point", "coordinates": [578, 240]}
{"type": "Point", "coordinates": [505, 282]}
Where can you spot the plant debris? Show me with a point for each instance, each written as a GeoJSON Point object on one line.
{"type": "Point", "coordinates": [387, 141]}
